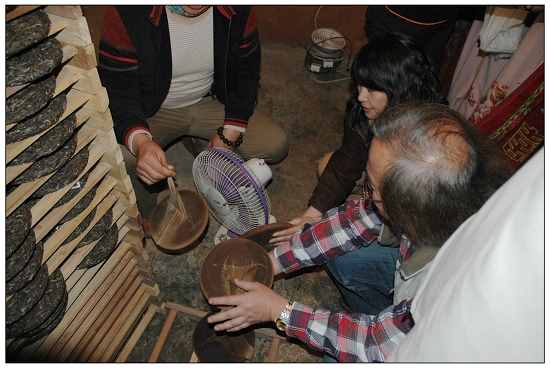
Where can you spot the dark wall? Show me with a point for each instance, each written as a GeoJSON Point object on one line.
{"type": "Point", "coordinates": [287, 24]}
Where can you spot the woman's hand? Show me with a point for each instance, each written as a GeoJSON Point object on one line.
{"type": "Point", "coordinates": [311, 216]}
{"type": "Point", "coordinates": [259, 304]}
{"type": "Point", "coordinates": [151, 165]}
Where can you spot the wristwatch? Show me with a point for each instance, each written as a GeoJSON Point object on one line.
{"type": "Point", "coordinates": [284, 318]}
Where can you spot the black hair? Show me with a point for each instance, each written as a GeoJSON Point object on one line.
{"type": "Point", "coordinates": [442, 172]}
{"type": "Point", "coordinates": [394, 64]}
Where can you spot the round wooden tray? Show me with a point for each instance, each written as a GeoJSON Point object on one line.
{"type": "Point", "coordinates": [222, 347]}
{"type": "Point", "coordinates": [262, 234]}
{"type": "Point", "coordinates": [170, 232]}
{"type": "Point", "coordinates": [235, 258]}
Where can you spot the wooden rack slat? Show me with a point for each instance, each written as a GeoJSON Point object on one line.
{"type": "Point", "coordinates": [47, 218]}
{"type": "Point", "coordinates": [115, 322]}
{"type": "Point", "coordinates": [136, 334]}
{"type": "Point", "coordinates": [87, 298]}
{"type": "Point", "coordinates": [62, 252]}
{"type": "Point", "coordinates": [68, 53]}
{"type": "Point", "coordinates": [55, 241]}
{"type": "Point", "coordinates": [24, 191]}
{"type": "Point", "coordinates": [93, 309]}
{"type": "Point", "coordinates": [78, 255]}
{"type": "Point", "coordinates": [20, 10]}
{"type": "Point", "coordinates": [83, 348]}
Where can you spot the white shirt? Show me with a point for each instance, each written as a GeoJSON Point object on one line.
{"type": "Point", "coordinates": [192, 43]}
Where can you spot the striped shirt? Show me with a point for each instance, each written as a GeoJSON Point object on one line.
{"type": "Point", "coordinates": [349, 337]}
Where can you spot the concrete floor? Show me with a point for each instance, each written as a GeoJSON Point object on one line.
{"type": "Point", "coordinates": [312, 116]}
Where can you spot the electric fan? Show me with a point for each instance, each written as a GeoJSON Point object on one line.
{"type": "Point", "coordinates": [234, 190]}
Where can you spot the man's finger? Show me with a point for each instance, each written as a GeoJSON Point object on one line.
{"type": "Point", "coordinates": [246, 285]}
{"type": "Point", "coordinates": [238, 328]}
{"type": "Point", "coordinates": [152, 169]}
{"type": "Point", "coordinates": [279, 239]}
{"type": "Point", "coordinates": [144, 176]}
{"type": "Point", "coordinates": [223, 315]}
{"type": "Point", "coordinates": [170, 170]}
{"type": "Point", "coordinates": [225, 300]}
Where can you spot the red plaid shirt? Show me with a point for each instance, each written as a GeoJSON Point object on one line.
{"type": "Point", "coordinates": [350, 337]}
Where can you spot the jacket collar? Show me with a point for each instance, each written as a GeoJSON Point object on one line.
{"type": "Point", "coordinates": [156, 12]}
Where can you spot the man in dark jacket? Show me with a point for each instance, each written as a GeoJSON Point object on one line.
{"type": "Point", "coordinates": [183, 70]}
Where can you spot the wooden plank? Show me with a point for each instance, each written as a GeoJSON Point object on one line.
{"type": "Point", "coordinates": [101, 326]}
{"type": "Point", "coordinates": [75, 30]}
{"type": "Point", "coordinates": [83, 293]}
{"type": "Point", "coordinates": [103, 201]}
{"type": "Point", "coordinates": [85, 316]}
{"type": "Point", "coordinates": [273, 352]}
{"type": "Point", "coordinates": [72, 262]}
{"type": "Point", "coordinates": [136, 334]}
{"type": "Point", "coordinates": [20, 10]}
{"type": "Point", "coordinates": [159, 344]}
{"type": "Point", "coordinates": [67, 11]}
{"type": "Point", "coordinates": [85, 57]}
{"type": "Point", "coordinates": [82, 276]}
{"type": "Point", "coordinates": [14, 171]}
{"type": "Point", "coordinates": [50, 217]}
{"type": "Point", "coordinates": [112, 341]}
{"type": "Point", "coordinates": [14, 149]}
{"type": "Point", "coordinates": [68, 53]}
{"type": "Point", "coordinates": [23, 191]}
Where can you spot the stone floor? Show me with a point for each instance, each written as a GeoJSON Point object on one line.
{"type": "Point", "coordinates": [312, 115]}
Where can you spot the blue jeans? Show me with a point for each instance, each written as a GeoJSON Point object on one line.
{"type": "Point", "coordinates": [365, 277]}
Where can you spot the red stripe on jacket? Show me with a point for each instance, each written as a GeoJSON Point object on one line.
{"type": "Point", "coordinates": [114, 32]}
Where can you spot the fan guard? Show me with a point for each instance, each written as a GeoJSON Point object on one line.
{"type": "Point", "coordinates": [234, 193]}
{"type": "Point", "coordinates": [328, 39]}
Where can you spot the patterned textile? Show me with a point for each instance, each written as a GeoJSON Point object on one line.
{"type": "Point", "coordinates": [517, 123]}
{"type": "Point", "coordinates": [503, 96]}
{"type": "Point", "coordinates": [348, 337]}
{"type": "Point", "coordinates": [352, 337]}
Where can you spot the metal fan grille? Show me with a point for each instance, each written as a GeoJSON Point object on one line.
{"type": "Point", "coordinates": [234, 195]}
{"type": "Point", "coordinates": [328, 38]}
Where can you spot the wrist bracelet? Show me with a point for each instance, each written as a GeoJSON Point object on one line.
{"type": "Point", "coordinates": [227, 142]}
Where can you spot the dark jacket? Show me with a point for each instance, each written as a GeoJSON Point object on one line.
{"type": "Point", "coordinates": [347, 163]}
{"type": "Point", "coordinates": [135, 63]}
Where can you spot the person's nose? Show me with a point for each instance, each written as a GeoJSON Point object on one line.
{"type": "Point", "coordinates": [363, 95]}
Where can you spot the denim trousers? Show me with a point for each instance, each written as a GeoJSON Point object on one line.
{"type": "Point", "coordinates": [365, 277]}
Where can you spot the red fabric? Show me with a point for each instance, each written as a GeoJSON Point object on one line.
{"type": "Point", "coordinates": [226, 11]}
{"type": "Point", "coordinates": [236, 122]}
{"type": "Point", "coordinates": [119, 58]}
{"type": "Point", "coordinates": [114, 33]}
{"type": "Point", "coordinates": [517, 123]}
{"type": "Point", "coordinates": [133, 129]}
{"type": "Point", "coordinates": [155, 14]}
{"type": "Point", "coordinates": [251, 23]}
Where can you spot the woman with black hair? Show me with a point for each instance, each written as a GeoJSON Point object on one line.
{"type": "Point", "coordinates": [389, 70]}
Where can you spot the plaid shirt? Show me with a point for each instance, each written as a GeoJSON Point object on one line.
{"type": "Point", "coordinates": [348, 337]}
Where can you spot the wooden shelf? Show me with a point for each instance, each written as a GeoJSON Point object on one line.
{"type": "Point", "coordinates": [24, 190]}
{"type": "Point", "coordinates": [104, 301]}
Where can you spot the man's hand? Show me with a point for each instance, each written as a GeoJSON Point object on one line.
{"type": "Point", "coordinates": [259, 304]}
{"type": "Point", "coordinates": [151, 160]}
{"type": "Point", "coordinates": [310, 216]}
{"type": "Point", "coordinates": [230, 134]}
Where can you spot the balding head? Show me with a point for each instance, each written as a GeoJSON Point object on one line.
{"type": "Point", "coordinates": [436, 178]}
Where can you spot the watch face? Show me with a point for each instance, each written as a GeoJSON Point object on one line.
{"type": "Point", "coordinates": [281, 326]}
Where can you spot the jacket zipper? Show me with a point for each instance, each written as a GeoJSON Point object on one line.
{"type": "Point", "coordinates": [226, 60]}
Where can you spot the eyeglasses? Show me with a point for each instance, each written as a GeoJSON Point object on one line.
{"type": "Point", "coordinates": [368, 191]}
